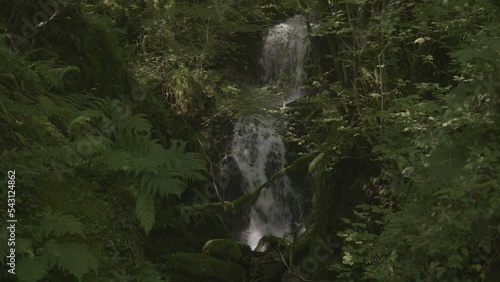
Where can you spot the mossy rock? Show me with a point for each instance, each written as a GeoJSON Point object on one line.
{"type": "Point", "coordinates": [184, 267]}
{"type": "Point", "coordinates": [269, 242]}
{"type": "Point", "coordinates": [229, 250]}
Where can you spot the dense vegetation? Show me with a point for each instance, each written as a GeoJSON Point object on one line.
{"type": "Point", "coordinates": [114, 115]}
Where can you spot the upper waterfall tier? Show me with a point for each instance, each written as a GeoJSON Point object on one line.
{"type": "Point", "coordinates": [286, 48]}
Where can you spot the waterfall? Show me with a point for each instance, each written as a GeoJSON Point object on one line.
{"type": "Point", "coordinates": [256, 147]}
{"type": "Point", "coordinates": [259, 152]}
{"type": "Point", "coordinates": [286, 47]}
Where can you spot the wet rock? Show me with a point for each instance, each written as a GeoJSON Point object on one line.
{"type": "Point", "coordinates": [269, 242]}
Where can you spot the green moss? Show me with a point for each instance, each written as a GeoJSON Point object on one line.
{"type": "Point", "coordinates": [227, 249]}
{"type": "Point", "coordinates": [199, 267]}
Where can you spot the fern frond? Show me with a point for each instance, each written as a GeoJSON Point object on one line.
{"type": "Point", "coordinates": [77, 123]}
{"type": "Point", "coordinates": [135, 123]}
{"type": "Point", "coordinates": [140, 123]}
{"type": "Point", "coordinates": [84, 101]}
{"type": "Point", "coordinates": [74, 258]}
{"type": "Point", "coordinates": [47, 105]}
{"type": "Point", "coordinates": [177, 148]}
{"type": "Point", "coordinates": [115, 160]}
{"type": "Point", "coordinates": [25, 247]}
{"type": "Point", "coordinates": [140, 164]}
{"type": "Point", "coordinates": [147, 154]}
{"type": "Point", "coordinates": [59, 224]}
{"type": "Point", "coordinates": [145, 211]}
{"type": "Point", "coordinates": [190, 164]}
{"type": "Point", "coordinates": [90, 146]}
{"type": "Point", "coordinates": [55, 76]}
{"type": "Point", "coordinates": [30, 269]}
{"type": "Point", "coordinates": [165, 183]}
{"type": "Point", "coordinates": [151, 148]}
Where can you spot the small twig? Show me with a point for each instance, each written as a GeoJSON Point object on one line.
{"type": "Point", "coordinates": [208, 160]}
{"type": "Point", "coordinates": [289, 269]}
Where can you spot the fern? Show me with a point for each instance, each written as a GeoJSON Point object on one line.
{"type": "Point", "coordinates": [146, 154]}
{"type": "Point", "coordinates": [32, 268]}
{"type": "Point", "coordinates": [143, 164]}
{"type": "Point", "coordinates": [139, 123]}
{"type": "Point", "coordinates": [54, 77]}
{"type": "Point", "coordinates": [127, 148]}
{"type": "Point", "coordinates": [83, 120]}
{"type": "Point", "coordinates": [134, 123]}
{"type": "Point", "coordinates": [71, 257]}
{"type": "Point", "coordinates": [44, 252]}
{"type": "Point", "coordinates": [164, 184]}
{"type": "Point", "coordinates": [189, 164]}
{"type": "Point", "coordinates": [59, 224]}
{"type": "Point", "coordinates": [85, 101]}
{"type": "Point", "coordinates": [115, 160]}
{"type": "Point", "coordinates": [91, 146]}
{"type": "Point", "coordinates": [48, 106]}
{"type": "Point", "coordinates": [145, 211]}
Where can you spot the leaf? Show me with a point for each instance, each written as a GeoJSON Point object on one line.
{"type": "Point", "coordinates": [47, 104]}
{"type": "Point", "coordinates": [59, 224]}
{"type": "Point", "coordinates": [419, 40]}
{"type": "Point", "coordinates": [166, 183]}
{"type": "Point", "coordinates": [74, 258]}
{"type": "Point", "coordinates": [115, 160]}
{"type": "Point", "coordinates": [145, 211]}
{"type": "Point", "coordinates": [142, 164]}
{"type": "Point", "coordinates": [31, 269]}
{"type": "Point", "coordinates": [468, 54]}
{"type": "Point", "coordinates": [139, 123]}
{"type": "Point", "coordinates": [188, 164]}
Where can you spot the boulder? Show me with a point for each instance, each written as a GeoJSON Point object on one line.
{"type": "Point", "coordinates": [188, 267]}
{"type": "Point", "coordinates": [229, 250]}
{"type": "Point", "coordinates": [269, 242]}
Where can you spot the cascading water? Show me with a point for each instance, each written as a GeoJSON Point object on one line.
{"type": "Point", "coordinates": [259, 153]}
{"type": "Point", "coordinates": [285, 50]}
{"type": "Point", "coordinates": [257, 149]}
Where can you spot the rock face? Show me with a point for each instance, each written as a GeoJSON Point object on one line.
{"type": "Point", "coordinates": [186, 267]}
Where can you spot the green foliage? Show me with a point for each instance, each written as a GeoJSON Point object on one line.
{"type": "Point", "coordinates": [121, 143]}
{"type": "Point", "coordinates": [147, 273]}
{"type": "Point", "coordinates": [427, 115]}
{"type": "Point", "coordinates": [145, 210]}
{"type": "Point", "coordinates": [71, 257]}
{"type": "Point", "coordinates": [59, 225]}
{"type": "Point", "coordinates": [404, 121]}
{"type": "Point", "coordinates": [67, 111]}
{"type": "Point", "coordinates": [48, 248]}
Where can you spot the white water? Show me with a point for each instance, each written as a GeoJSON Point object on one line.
{"type": "Point", "coordinates": [256, 147]}
{"type": "Point", "coordinates": [259, 153]}
{"type": "Point", "coordinates": [286, 47]}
